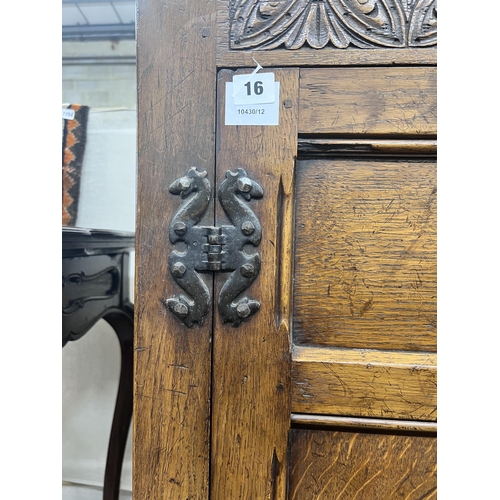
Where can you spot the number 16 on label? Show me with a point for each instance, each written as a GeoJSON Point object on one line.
{"type": "Point", "coordinates": [256, 88]}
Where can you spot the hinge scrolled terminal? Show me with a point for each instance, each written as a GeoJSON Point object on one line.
{"type": "Point", "coordinates": [214, 248]}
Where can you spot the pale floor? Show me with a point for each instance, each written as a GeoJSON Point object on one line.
{"type": "Point", "coordinates": [71, 491]}
{"type": "Point", "coordinates": [91, 368]}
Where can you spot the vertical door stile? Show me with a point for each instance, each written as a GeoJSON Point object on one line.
{"type": "Point", "coordinates": [176, 90]}
{"type": "Point", "coordinates": [252, 363]}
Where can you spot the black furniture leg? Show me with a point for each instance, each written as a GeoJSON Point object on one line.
{"type": "Point", "coordinates": [95, 285]}
{"type": "Point", "coordinates": [122, 321]}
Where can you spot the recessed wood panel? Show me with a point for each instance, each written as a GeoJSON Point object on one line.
{"type": "Point", "coordinates": [377, 101]}
{"type": "Point", "coordinates": [364, 383]}
{"type": "Point", "coordinates": [365, 254]}
{"type": "Point", "coordinates": [327, 465]}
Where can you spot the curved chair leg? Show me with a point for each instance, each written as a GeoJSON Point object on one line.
{"type": "Point", "coordinates": [122, 322]}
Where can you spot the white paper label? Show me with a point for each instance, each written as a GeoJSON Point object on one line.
{"type": "Point", "coordinates": [252, 114]}
{"type": "Point", "coordinates": [255, 88]}
{"type": "Point", "coordinates": [68, 114]}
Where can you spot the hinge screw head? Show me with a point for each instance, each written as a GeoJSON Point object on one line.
{"type": "Point", "coordinates": [184, 184]}
{"type": "Point", "coordinates": [247, 228]}
{"type": "Point", "coordinates": [244, 184]}
{"type": "Point", "coordinates": [247, 270]}
{"type": "Point", "coordinates": [243, 311]}
{"type": "Point", "coordinates": [180, 228]}
{"type": "Point", "coordinates": [178, 270]}
{"type": "Point", "coordinates": [181, 310]}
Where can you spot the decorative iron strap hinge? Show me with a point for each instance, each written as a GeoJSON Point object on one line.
{"type": "Point", "coordinates": [208, 248]}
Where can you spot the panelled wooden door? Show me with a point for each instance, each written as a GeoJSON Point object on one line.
{"type": "Point", "coordinates": [328, 391]}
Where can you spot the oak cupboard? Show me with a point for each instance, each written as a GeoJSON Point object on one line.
{"type": "Point", "coordinates": [321, 250]}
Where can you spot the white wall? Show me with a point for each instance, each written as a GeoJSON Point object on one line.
{"type": "Point", "coordinates": [107, 183]}
{"type": "Point", "coordinates": [99, 85]}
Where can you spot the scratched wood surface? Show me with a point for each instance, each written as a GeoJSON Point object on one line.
{"type": "Point", "coordinates": [328, 465]}
{"type": "Point", "coordinates": [364, 383]}
{"type": "Point", "coordinates": [306, 56]}
{"type": "Point", "coordinates": [365, 254]}
{"type": "Point", "coordinates": [176, 90]}
{"type": "Point", "coordinates": [381, 101]}
{"type": "Point", "coordinates": [251, 363]}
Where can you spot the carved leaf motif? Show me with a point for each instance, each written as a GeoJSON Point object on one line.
{"type": "Point", "coordinates": [423, 28]}
{"type": "Point", "coordinates": [268, 24]}
{"type": "Point", "coordinates": [379, 22]}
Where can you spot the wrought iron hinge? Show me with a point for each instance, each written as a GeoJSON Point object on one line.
{"type": "Point", "coordinates": [208, 248]}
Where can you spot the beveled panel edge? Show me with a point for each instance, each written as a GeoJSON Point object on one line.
{"type": "Point", "coordinates": [376, 424]}
{"type": "Point", "coordinates": [372, 356]}
{"type": "Point", "coordinates": [319, 147]}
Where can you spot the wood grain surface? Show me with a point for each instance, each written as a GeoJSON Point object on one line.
{"type": "Point", "coordinates": [176, 90]}
{"type": "Point", "coordinates": [384, 384]}
{"type": "Point", "coordinates": [365, 254]}
{"type": "Point", "coordinates": [327, 465]}
{"type": "Point", "coordinates": [378, 101]}
{"type": "Point", "coordinates": [306, 56]}
{"type": "Point", "coordinates": [251, 363]}
{"type": "Point", "coordinates": [374, 424]}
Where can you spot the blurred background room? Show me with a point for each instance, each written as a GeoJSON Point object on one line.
{"type": "Point", "coordinates": [99, 85]}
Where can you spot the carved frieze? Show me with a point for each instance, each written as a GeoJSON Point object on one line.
{"type": "Point", "coordinates": [364, 24]}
